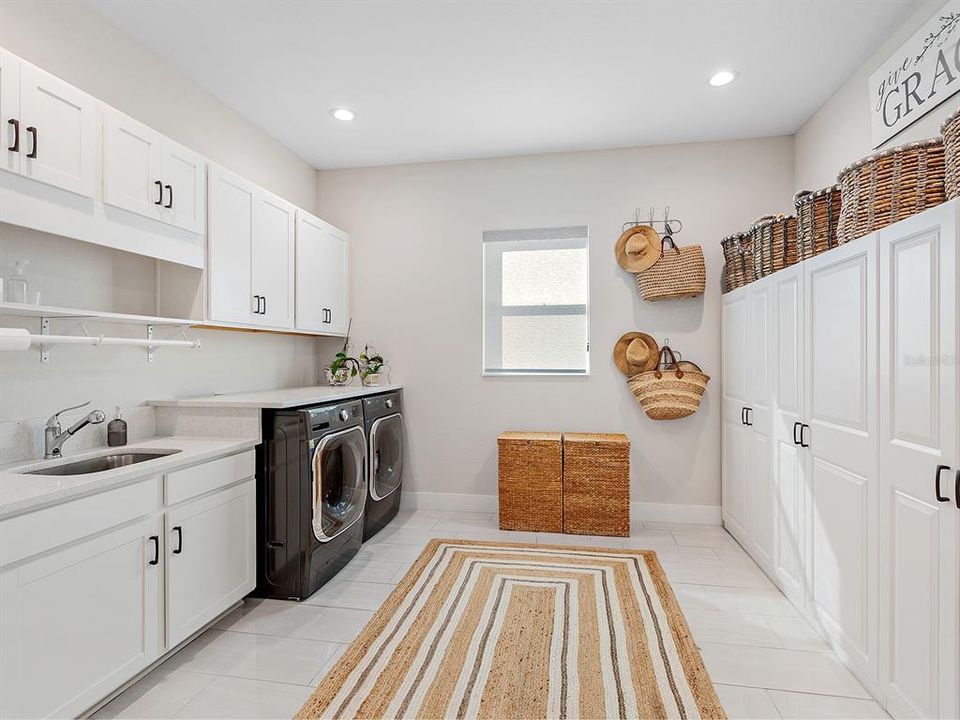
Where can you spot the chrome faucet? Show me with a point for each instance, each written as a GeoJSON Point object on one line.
{"type": "Point", "coordinates": [54, 437]}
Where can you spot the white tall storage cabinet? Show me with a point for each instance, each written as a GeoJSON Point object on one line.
{"type": "Point", "coordinates": [841, 451]}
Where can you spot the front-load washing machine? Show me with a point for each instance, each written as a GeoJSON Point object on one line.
{"type": "Point", "coordinates": [383, 420]}
{"type": "Point", "coordinates": [311, 495]}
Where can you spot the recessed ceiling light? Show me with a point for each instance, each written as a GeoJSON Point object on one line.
{"type": "Point", "coordinates": [723, 77]}
{"type": "Point", "coordinates": [345, 114]}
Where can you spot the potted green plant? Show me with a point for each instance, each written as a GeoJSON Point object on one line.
{"type": "Point", "coordinates": [371, 366]}
{"type": "Point", "coordinates": [342, 370]}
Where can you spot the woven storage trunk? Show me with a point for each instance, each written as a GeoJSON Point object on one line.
{"type": "Point", "coordinates": [531, 481]}
{"type": "Point", "coordinates": [596, 484]}
{"type": "Point", "coordinates": [679, 273]}
{"type": "Point", "coordinates": [887, 187]}
{"type": "Point", "coordinates": [773, 244]}
{"type": "Point", "coordinates": [818, 214]}
{"type": "Point", "coordinates": [950, 132]}
{"type": "Point", "coordinates": [739, 259]}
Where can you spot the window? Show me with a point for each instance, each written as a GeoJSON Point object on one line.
{"type": "Point", "coordinates": [536, 293]}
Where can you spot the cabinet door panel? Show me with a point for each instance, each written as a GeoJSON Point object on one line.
{"type": "Point", "coordinates": [10, 110]}
{"type": "Point", "coordinates": [273, 259]}
{"type": "Point", "coordinates": [840, 315]}
{"type": "Point", "coordinates": [735, 470]}
{"type": "Point", "coordinates": [216, 565]}
{"type": "Point", "coordinates": [130, 175]}
{"type": "Point", "coordinates": [789, 457]}
{"type": "Point", "coordinates": [920, 560]}
{"type": "Point", "coordinates": [322, 272]}
{"type": "Point", "coordinates": [79, 622]}
{"type": "Point", "coordinates": [186, 173]}
{"type": "Point", "coordinates": [65, 138]}
{"type": "Point", "coordinates": [759, 361]}
{"type": "Point", "coordinates": [231, 207]}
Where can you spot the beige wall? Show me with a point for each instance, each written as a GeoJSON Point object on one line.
{"type": "Point", "coordinates": [839, 132]}
{"type": "Point", "coordinates": [416, 260]}
{"type": "Point", "coordinates": [74, 42]}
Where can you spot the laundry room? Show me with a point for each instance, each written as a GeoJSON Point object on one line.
{"type": "Point", "coordinates": [428, 359]}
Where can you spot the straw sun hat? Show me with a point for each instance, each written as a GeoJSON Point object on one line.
{"type": "Point", "coordinates": [638, 248]}
{"type": "Point", "coordinates": [636, 352]}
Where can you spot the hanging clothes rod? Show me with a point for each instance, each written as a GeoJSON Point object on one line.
{"type": "Point", "coordinates": [14, 339]}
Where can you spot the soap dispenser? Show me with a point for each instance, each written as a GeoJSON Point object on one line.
{"type": "Point", "coordinates": [117, 431]}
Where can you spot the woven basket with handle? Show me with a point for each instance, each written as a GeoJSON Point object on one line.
{"type": "Point", "coordinates": [774, 244]}
{"type": "Point", "coordinates": [679, 273]}
{"type": "Point", "coordinates": [669, 394]}
{"type": "Point", "coordinates": [950, 132]}
{"type": "Point", "coordinates": [818, 214]}
{"type": "Point", "coordinates": [739, 260]}
{"type": "Point", "coordinates": [887, 187]}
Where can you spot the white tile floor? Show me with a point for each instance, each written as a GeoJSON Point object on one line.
{"type": "Point", "coordinates": [263, 660]}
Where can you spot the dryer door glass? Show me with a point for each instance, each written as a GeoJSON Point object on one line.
{"type": "Point", "coordinates": [339, 483]}
{"type": "Point", "coordinates": [386, 455]}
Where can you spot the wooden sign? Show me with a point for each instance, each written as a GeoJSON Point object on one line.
{"type": "Point", "coordinates": [923, 73]}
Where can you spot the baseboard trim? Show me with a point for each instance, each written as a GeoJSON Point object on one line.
{"type": "Point", "coordinates": [639, 511]}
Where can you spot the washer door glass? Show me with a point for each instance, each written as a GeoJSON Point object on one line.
{"type": "Point", "coordinates": [339, 483]}
{"type": "Point", "coordinates": [386, 455]}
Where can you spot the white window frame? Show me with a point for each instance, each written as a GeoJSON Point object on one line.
{"type": "Point", "coordinates": [576, 236]}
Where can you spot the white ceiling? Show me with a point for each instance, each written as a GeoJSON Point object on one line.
{"type": "Point", "coordinates": [463, 79]}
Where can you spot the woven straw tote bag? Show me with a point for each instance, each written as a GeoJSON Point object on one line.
{"type": "Point", "coordinates": [669, 394]}
{"type": "Point", "coordinates": [679, 273]}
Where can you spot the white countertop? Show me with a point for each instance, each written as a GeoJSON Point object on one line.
{"type": "Point", "coordinates": [20, 493]}
{"type": "Point", "coordinates": [277, 399]}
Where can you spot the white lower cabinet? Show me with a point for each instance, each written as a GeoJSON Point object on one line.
{"type": "Point", "coordinates": [94, 590]}
{"type": "Point", "coordinates": [865, 459]}
{"type": "Point", "coordinates": [79, 622]}
{"type": "Point", "coordinates": [211, 558]}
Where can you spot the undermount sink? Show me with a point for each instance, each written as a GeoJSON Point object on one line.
{"type": "Point", "coordinates": [103, 462]}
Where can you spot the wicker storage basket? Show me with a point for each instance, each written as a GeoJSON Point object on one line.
{"type": "Point", "coordinates": [773, 244]}
{"type": "Point", "coordinates": [596, 484]}
{"type": "Point", "coordinates": [679, 273]}
{"type": "Point", "coordinates": [531, 481]}
{"type": "Point", "coordinates": [739, 259]}
{"type": "Point", "coordinates": [669, 394]}
{"type": "Point", "coordinates": [817, 216]}
{"type": "Point", "coordinates": [887, 187]}
{"type": "Point", "coordinates": [950, 132]}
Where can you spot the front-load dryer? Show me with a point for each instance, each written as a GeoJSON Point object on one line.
{"type": "Point", "coordinates": [383, 420]}
{"type": "Point", "coordinates": [311, 496]}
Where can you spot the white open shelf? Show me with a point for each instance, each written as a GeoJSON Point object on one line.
{"type": "Point", "coordinates": [48, 311]}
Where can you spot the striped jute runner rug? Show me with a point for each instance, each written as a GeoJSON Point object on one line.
{"type": "Point", "coordinates": [513, 631]}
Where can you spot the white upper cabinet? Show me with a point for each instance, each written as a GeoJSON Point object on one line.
{"type": "Point", "coordinates": [10, 111]}
{"type": "Point", "coordinates": [919, 466]}
{"type": "Point", "coordinates": [251, 253]}
{"type": "Point", "coordinates": [273, 260]}
{"type": "Point", "coordinates": [51, 127]}
{"type": "Point", "coordinates": [322, 300]}
{"type": "Point", "coordinates": [149, 174]}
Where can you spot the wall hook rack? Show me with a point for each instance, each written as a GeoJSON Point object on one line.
{"type": "Point", "coordinates": [669, 225]}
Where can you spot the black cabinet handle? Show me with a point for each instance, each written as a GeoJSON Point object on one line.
{"type": "Point", "coordinates": [16, 135]}
{"type": "Point", "coordinates": [743, 416]}
{"type": "Point", "coordinates": [170, 201]}
{"type": "Point", "coordinates": [956, 490]}
{"type": "Point", "coordinates": [749, 413]}
{"type": "Point", "coordinates": [264, 305]}
{"type": "Point", "coordinates": [802, 443]}
{"type": "Point", "coordinates": [159, 200]}
{"type": "Point", "coordinates": [795, 426]}
{"type": "Point", "coordinates": [257, 309]}
{"type": "Point", "coordinates": [179, 531]}
{"type": "Point", "coordinates": [156, 549]}
{"type": "Point", "coordinates": [33, 132]}
{"type": "Point", "coordinates": [936, 483]}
